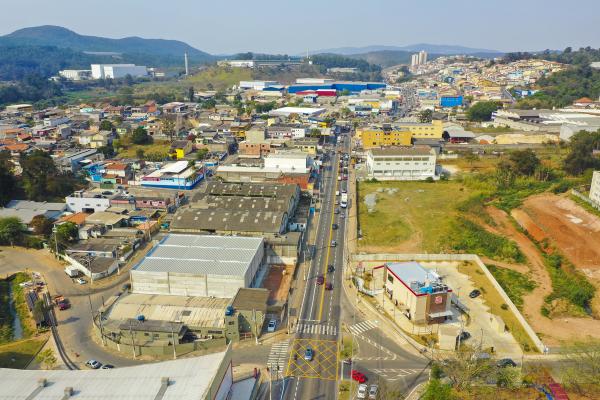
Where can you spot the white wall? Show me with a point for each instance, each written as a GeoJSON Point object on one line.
{"type": "Point", "coordinates": [77, 204]}
{"type": "Point", "coordinates": [400, 168]}
{"type": "Point", "coordinates": [595, 188]}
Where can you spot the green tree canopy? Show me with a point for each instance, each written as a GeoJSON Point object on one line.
{"type": "Point", "coordinates": [8, 182]}
{"type": "Point", "coordinates": [482, 111]}
{"type": "Point", "coordinates": [425, 116]}
{"type": "Point", "coordinates": [140, 136]}
{"type": "Point", "coordinates": [106, 125]}
{"type": "Point", "coordinates": [525, 162]}
{"type": "Point", "coordinates": [41, 179]}
{"type": "Point", "coordinates": [11, 230]}
{"type": "Point", "coordinates": [41, 225]}
{"type": "Point", "coordinates": [581, 155]}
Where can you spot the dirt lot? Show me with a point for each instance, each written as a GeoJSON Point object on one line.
{"type": "Point", "coordinates": [574, 231]}
{"type": "Point", "coordinates": [552, 331]}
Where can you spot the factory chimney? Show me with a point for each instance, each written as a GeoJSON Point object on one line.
{"type": "Point", "coordinates": [187, 68]}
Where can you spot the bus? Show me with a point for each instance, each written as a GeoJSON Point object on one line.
{"type": "Point", "coordinates": [344, 200]}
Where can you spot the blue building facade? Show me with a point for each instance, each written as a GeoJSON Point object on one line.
{"type": "Point", "coordinates": [352, 87]}
{"type": "Point", "coordinates": [451, 101]}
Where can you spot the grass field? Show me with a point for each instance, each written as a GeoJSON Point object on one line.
{"type": "Point", "coordinates": [514, 283]}
{"type": "Point", "coordinates": [156, 149]}
{"type": "Point", "coordinates": [494, 301]}
{"type": "Point", "coordinates": [418, 217]}
{"type": "Point", "coordinates": [19, 354]}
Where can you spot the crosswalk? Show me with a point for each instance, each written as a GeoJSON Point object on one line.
{"type": "Point", "coordinates": [317, 329]}
{"type": "Point", "coordinates": [278, 355]}
{"type": "Point", "coordinates": [362, 327]}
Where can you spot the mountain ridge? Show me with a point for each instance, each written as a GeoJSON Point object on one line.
{"type": "Point", "coordinates": [441, 49]}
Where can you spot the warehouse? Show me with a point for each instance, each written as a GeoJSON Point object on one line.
{"type": "Point", "coordinates": [197, 265]}
{"type": "Point", "coordinates": [208, 377]}
{"type": "Point", "coordinates": [402, 163]}
{"type": "Point", "coordinates": [228, 222]}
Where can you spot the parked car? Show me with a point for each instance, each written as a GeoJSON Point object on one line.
{"type": "Point", "coordinates": [337, 211]}
{"type": "Point", "coordinates": [330, 268]}
{"type": "Point", "coordinates": [93, 364]}
{"type": "Point", "coordinates": [308, 354]}
{"type": "Point", "coordinates": [333, 243]}
{"type": "Point", "coordinates": [334, 226]}
{"type": "Point", "coordinates": [362, 391]}
{"type": "Point", "coordinates": [81, 281]}
{"type": "Point", "coordinates": [107, 366]}
{"type": "Point", "coordinates": [373, 391]}
{"type": "Point", "coordinates": [358, 376]}
{"type": "Point", "coordinates": [474, 293]}
{"type": "Point", "coordinates": [272, 325]}
{"type": "Point", "coordinates": [320, 280]}
{"type": "Point", "coordinates": [506, 362]}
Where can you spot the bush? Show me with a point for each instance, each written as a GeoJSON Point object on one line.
{"type": "Point", "coordinates": [469, 237]}
{"type": "Point", "coordinates": [514, 283]}
{"type": "Point", "coordinates": [568, 283]}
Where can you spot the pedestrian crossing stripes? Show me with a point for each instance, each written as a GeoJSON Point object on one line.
{"type": "Point", "coordinates": [364, 326]}
{"type": "Point", "coordinates": [317, 329]}
{"type": "Point", "coordinates": [278, 355]}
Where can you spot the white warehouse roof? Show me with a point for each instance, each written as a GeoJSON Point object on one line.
{"type": "Point", "coordinates": [189, 379]}
{"type": "Point", "coordinates": [202, 254]}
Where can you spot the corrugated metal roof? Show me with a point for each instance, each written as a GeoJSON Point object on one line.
{"type": "Point", "coordinates": [199, 254]}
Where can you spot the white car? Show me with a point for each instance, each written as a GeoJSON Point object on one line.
{"type": "Point", "coordinates": [362, 391]}
{"type": "Point", "coordinates": [93, 364]}
{"type": "Point", "coordinates": [373, 392]}
{"type": "Point", "coordinates": [272, 325]}
{"type": "Point", "coordinates": [81, 281]}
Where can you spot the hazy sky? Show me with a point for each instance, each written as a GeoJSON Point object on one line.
{"type": "Point", "coordinates": [286, 26]}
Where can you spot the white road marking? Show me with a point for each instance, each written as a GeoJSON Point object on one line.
{"type": "Point", "coordinates": [362, 327]}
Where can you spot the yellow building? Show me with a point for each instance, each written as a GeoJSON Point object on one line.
{"type": "Point", "coordinates": [379, 137]}
{"type": "Point", "coordinates": [433, 130]}
{"type": "Point", "coordinates": [181, 148]}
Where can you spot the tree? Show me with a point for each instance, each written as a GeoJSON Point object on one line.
{"type": "Point", "coordinates": [139, 153]}
{"type": "Point", "coordinates": [11, 230]}
{"type": "Point", "coordinates": [41, 179]}
{"type": "Point", "coordinates": [8, 182]}
{"type": "Point", "coordinates": [201, 154]}
{"type": "Point", "coordinates": [46, 358]}
{"type": "Point", "coordinates": [64, 234]}
{"type": "Point", "coordinates": [505, 175]}
{"type": "Point", "coordinates": [168, 126]}
{"type": "Point", "coordinates": [107, 150]}
{"type": "Point", "coordinates": [482, 111]}
{"type": "Point", "coordinates": [41, 225]}
{"type": "Point", "coordinates": [39, 309]}
{"type": "Point", "coordinates": [525, 162]}
{"type": "Point", "coordinates": [140, 136]}
{"type": "Point", "coordinates": [425, 116]}
{"type": "Point", "coordinates": [581, 368]}
{"type": "Point", "coordinates": [106, 125]}
{"type": "Point", "coordinates": [191, 94]}
{"type": "Point", "coordinates": [466, 369]}
{"type": "Point", "coordinates": [581, 150]}
{"type": "Point", "coordinates": [315, 133]}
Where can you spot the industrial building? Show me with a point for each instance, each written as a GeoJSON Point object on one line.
{"type": "Point", "coordinates": [300, 111]}
{"type": "Point", "coordinates": [384, 136]}
{"type": "Point", "coordinates": [432, 130]}
{"type": "Point", "coordinates": [198, 265]}
{"type": "Point", "coordinates": [351, 87]}
{"type": "Point", "coordinates": [402, 163]}
{"type": "Point", "coordinates": [208, 377]}
{"type": "Point", "coordinates": [418, 292]}
{"type": "Point", "coordinates": [229, 222]}
{"type": "Point", "coordinates": [116, 71]}
{"type": "Point", "coordinates": [75, 74]}
{"type": "Point", "coordinates": [178, 175]}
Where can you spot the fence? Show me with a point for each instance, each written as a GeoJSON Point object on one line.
{"type": "Point", "coordinates": [459, 257]}
{"type": "Point", "coordinates": [583, 197]}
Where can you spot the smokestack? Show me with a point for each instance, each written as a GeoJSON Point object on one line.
{"type": "Point", "coordinates": [187, 68]}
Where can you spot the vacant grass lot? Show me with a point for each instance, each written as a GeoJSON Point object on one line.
{"type": "Point", "coordinates": [158, 149]}
{"type": "Point", "coordinates": [494, 301]}
{"type": "Point", "coordinates": [514, 283]}
{"type": "Point", "coordinates": [19, 354]}
{"type": "Point", "coordinates": [416, 218]}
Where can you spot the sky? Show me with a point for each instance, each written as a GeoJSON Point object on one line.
{"type": "Point", "coordinates": [293, 27]}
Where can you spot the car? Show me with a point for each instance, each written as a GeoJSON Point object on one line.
{"type": "Point", "coordinates": [333, 243]}
{"type": "Point", "coordinates": [320, 280]}
{"type": "Point", "coordinates": [126, 287]}
{"type": "Point", "coordinates": [373, 391]}
{"type": "Point", "coordinates": [339, 177]}
{"type": "Point", "coordinates": [93, 364]}
{"type": "Point", "coordinates": [334, 226]}
{"type": "Point", "coordinates": [464, 335]}
{"type": "Point", "coordinates": [337, 202]}
{"type": "Point", "coordinates": [506, 362]}
{"type": "Point", "coordinates": [329, 286]}
{"type": "Point", "coordinates": [107, 366]}
{"type": "Point", "coordinates": [336, 211]}
{"type": "Point", "coordinates": [63, 305]}
{"type": "Point", "coordinates": [474, 293]}
{"type": "Point", "coordinates": [308, 354]}
{"type": "Point", "coordinates": [81, 281]}
{"type": "Point", "coordinates": [330, 268]}
{"type": "Point", "coordinates": [358, 376]}
{"type": "Point", "coordinates": [272, 325]}
{"type": "Point", "coordinates": [362, 391]}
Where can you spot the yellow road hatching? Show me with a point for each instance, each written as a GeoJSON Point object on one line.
{"type": "Point", "coordinates": [324, 364]}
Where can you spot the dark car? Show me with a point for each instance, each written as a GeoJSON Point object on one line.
{"type": "Point", "coordinates": [308, 354]}
{"type": "Point", "coordinates": [337, 211]}
{"type": "Point", "coordinates": [320, 280]}
{"type": "Point", "coordinates": [506, 362]}
{"type": "Point", "coordinates": [330, 268]}
{"type": "Point", "coordinates": [475, 293]}
{"type": "Point", "coordinates": [334, 226]}
{"type": "Point", "coordinates": [329, 286]}
{"type": "Point", "coordinates": [464, 335]}
{"type": "Point", "coordinates": [107, 366]}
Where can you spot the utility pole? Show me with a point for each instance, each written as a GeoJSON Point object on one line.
{"type": "Point", "coordinates": [132, 340]}
{"type": "Point", "coordinates": [173, 342]}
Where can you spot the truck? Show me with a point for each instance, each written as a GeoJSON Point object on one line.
{"type": "Point", "coordinates": [344, 200]}
{"type": "Point", "coordinates": [61, 302]}
{"type": "Point", "coordinates": [72, 271]}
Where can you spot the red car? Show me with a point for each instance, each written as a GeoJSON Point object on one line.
{"type": "Point", "coordinates": [358, 376]}
{"type": "Point", "coordinates": [329, 286]}
{"type": "Point", "coordinates": [320, 280]}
